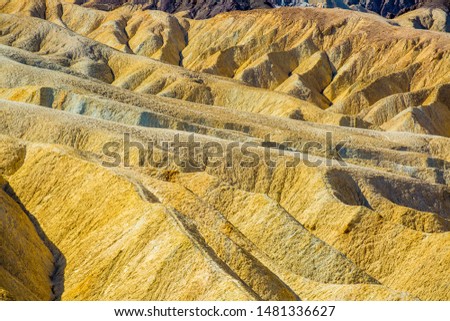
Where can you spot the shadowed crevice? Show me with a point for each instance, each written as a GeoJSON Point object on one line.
{"type": "Point", "coordinates": [59, 260]}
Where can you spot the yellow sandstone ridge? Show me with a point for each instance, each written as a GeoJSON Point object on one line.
{"type": "Point", "coordinates": [319, 57]}
{"type": "Point", "coordinates": [75, 228]}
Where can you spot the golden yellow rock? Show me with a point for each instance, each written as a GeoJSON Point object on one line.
{"type": "Point", "coordinates": [327, 64]}
{"type": "Point", "coordinates": [26, 263]}
{"type": "Point", "coordinates": [369, 221]}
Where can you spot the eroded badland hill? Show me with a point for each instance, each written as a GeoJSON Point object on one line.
{"type": "Point", "coordinates": [368, 221]}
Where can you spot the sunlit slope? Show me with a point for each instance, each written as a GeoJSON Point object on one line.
{"type": "Point", "coordinates": [254, 255]}
{"type": "Point", "coordinates": [345, 62]}
{"type": "Point", "coordinates": [371, 222]}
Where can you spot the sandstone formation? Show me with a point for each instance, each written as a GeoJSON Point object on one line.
{"type": "Point", "coordinates": [195, 9]}
{"type": "Point", "coordinates": [369, 221]}
{"type": "Point", "coordinates": [319, 68]}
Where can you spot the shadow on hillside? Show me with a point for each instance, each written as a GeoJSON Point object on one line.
{"type": "Point", "coordinates": [59, 260]}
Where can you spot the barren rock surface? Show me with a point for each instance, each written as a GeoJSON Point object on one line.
{"type": "Point", "coordinates": [365, 218]}
{"type": "Point", "coordinates": [209, 8]}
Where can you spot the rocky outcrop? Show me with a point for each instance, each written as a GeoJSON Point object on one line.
{"type": "Point", "coordinates": [387, 8]}
{"type": "Point", "coordinates": [432, 16]}
{"type": "Point", "coordinates": [196, 9]}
